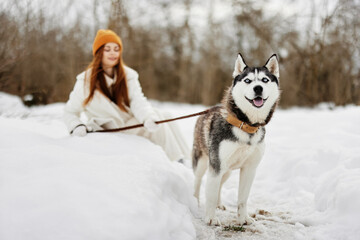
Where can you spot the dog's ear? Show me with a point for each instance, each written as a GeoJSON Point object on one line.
{"type": "Point", "coordinates": [240, 65]}
{"type": "Point", "coordinates": [272, 65]}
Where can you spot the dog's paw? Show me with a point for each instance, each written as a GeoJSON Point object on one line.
{"type": "Point", "coordinates": [221, 207]}
{"type": "Point", "coordinates": [213, 221]}
{"type": "Point", "coordinates": [245, 220]}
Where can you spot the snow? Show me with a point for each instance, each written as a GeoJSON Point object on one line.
{"type": "Point", "coordinates": [118, 186]}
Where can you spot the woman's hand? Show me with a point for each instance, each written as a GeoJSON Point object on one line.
{"type": "Point", "coordinates": [150, 125]}
{"type": "Point", "coordinates": [79, 131]}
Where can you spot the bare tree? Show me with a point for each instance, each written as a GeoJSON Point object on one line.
{"type": "Point", "coordinates": [40, 55]}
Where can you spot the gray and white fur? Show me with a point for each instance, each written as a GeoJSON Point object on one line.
{"type": "Point", "coordinates": [220, 147]}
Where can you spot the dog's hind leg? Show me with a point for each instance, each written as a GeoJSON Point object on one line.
{"type": "Point", "coordinates": [223, 180]}
{"type": "Point", "coordinates": [199, 172]}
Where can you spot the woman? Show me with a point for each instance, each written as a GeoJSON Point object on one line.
{"type": "Point", "coordinates": [110, 96]}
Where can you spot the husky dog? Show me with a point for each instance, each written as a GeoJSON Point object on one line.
{"type": "Point", "coordinates": [231, 136]}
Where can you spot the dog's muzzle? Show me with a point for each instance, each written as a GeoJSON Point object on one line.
{"type": "Point", "coordinates": [258, 101]}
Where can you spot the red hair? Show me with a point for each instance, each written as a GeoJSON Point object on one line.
{"type": "Point", "coordinates": [119, 89]}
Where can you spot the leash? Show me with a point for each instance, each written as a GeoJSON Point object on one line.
{"type": "Point", "coordinates": [157, 122]}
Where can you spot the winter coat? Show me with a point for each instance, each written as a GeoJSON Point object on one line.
{"type": "Point", "coordinates": [101, 112]}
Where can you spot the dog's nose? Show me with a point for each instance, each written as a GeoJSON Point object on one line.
{"type": "Point", "coordinates": [258, 90]}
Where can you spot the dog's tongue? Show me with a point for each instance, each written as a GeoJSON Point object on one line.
{"type": "Point", "coordinates": [258, 102]}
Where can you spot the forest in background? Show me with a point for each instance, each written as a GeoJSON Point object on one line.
{"type": "Point", "coordinates": [41, 52]}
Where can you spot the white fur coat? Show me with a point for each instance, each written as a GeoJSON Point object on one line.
{"type": "Point", "coordinates": [101, 112]}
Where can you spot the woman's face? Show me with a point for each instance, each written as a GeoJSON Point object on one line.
{"type": "Point", "coordinates": [111, 55]}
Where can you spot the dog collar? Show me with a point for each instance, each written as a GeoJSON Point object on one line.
{"type": "Point", "coordinates": [240, 124]}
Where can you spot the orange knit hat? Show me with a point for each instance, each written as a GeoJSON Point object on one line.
{"type": "Point", "coordinates": [105, 36]}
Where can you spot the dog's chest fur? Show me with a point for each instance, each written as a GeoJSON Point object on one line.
{"type": "Point", "coordinates": [234, 154]}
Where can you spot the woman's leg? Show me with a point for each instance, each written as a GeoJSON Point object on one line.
{"type": "Point", "coordinates": [168, 136]}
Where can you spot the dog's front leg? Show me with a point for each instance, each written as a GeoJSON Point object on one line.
{"type": "Point", "coordinates": [247, 176]}
{"type": "Point", "coordinates": [212, 193]}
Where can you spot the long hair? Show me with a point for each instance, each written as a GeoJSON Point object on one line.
{"type": "Point", "coordinates": [119, 89]}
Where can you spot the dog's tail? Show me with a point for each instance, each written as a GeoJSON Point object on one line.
{"type": "Point", "coordinates": [197, 145]}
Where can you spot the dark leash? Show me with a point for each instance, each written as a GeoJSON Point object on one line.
{"type": "Point", "coordinates": [157, 122]}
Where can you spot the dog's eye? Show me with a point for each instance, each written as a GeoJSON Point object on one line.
{"type": "Point", "coordinates": [247, 80]}
{"type": "Point", "coordinates": [264, 80]}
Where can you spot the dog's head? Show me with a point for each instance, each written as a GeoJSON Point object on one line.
{"type": "Point", "coordinates": [255, 90]}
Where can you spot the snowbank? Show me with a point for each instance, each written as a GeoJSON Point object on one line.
{"type": "Point", "coordinates": [103, 186]}
{"type": "Point", "coordinates": [311, 170]}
